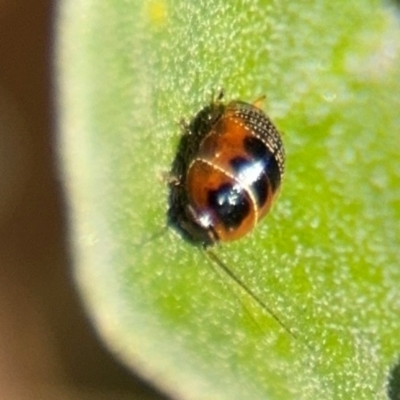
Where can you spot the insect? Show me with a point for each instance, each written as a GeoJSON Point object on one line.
{"type": "Point", "coordinates": [225, 176]}
{"type": "Point", "coordinates": [227, 172]}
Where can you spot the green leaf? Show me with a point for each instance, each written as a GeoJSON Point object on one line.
{"type": "Point", "coordinates": [326, 260]}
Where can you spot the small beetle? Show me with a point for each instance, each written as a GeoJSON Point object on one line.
{"type": "Point", "coordinates": [226, 173]}
{"type": "Point", "coordinates": [224, 178]}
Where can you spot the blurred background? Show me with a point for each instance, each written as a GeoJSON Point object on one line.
{"type": "Point", "coordinates": [47, 347]}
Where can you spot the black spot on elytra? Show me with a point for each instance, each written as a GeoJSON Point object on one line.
{"type": "Point", "coordinates": [256, 148]}
{"type": "Point", "coordinates": [258, 151]}
{"type": "Point", "coordinates": [253, 173]}
{"type": "Point", "coordinates": [260, 190]}
{"type": "Point", "coordinates": [230, 204]}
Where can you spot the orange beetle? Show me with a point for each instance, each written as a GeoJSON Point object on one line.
{"type": "Point", "coordinates": [226, 173]}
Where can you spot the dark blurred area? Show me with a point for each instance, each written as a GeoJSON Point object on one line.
{"type": "Point", "coordinates": [47, 347]}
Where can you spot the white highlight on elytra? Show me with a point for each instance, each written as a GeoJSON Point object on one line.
{"type": "Point", "coordinates": [250, 172]}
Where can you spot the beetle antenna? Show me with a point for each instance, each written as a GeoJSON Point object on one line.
{"type": "Point", "coordinates": [244, 287]}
